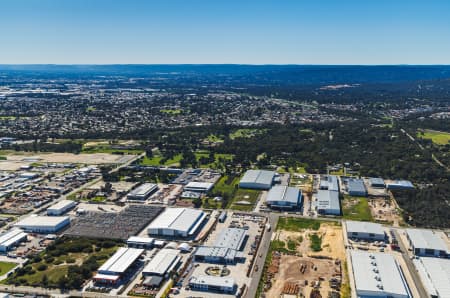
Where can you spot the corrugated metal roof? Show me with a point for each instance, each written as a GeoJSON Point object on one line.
{"type": "Point", "coordinates": [121, 260]}
{"type": "Point", "coordinates": [376, 181]}
{"type": "Point", "coordinates": [143, 189]}
{"type": "Point", "coordinates": [364, 227]}
{"type": "Point", "coordinates": [230, 238]}
{"type": "Point", "coordinates": [41, 221]}
{"type": "Point", "coordinates": [11, 236]}
{"type": "Point", "coordinates": [327, 199]}
{"type": "Point", "coordinates": [356, 185]}
{"type": "Point", "coordinates": [162, 262]}
{"type": "Point", "coordinates": [378, 272]}
{"type": "Point", "coordinates": [180, 219]}
{"type": "Point", "coordinates": [258, 176]}
{"type": "Point", "coordinates": [421, 238]}
{"type": "Point", "coordinates": [215, 281]}
{"type": "Point", "coordinates": [62, 204]}
{"type": "Point", "coordinates": [286, 194]}
{"type": "Point", "coordinates": [435, 275]}
{"type": "Point", "coordinates": [329, 182]}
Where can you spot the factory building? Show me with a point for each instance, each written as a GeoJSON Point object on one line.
{"type": "Point", "coordinates": [427, 243]}
{"type": "Point", "coordinates": [377, 183]}
{"type": "Point", "coordinates": [11, 238]}
{"type": "Point", "coordinates": [365, 230]}
{"type": "Point", "coordinates": [435, 276]}
{"type": "Point", "coordinates": [177, 222]}
{"type": "Point", "coordinates": [61, 207]}
{"type": "Point", "coordinates": [329, 182]}
{"type": "Point", "coordinates": [201, 187]}
{"type": "Point", "coordinates": [356, 188]}
{"type": "Point", "coordinates": [142, 192]}
{"type": "Point", "coordinates": [165, 261]}
{"type": "Point", "coordinates": [328, 202]}
{"type": "Point", "coordinates": [140, 242]}
{"type": "Point", "coordinates": [284, 197]}
{"type": "Point", "coordinates": [378, 275]}
{"type": "Point", "coordinates": [213, 284]}
{"type": "Point", "coordinates": [43, 224]}
{"type": "Point", "coordinates": [257, 179]}
{"type": "Point", "coordinates": [400, 185]}
{"type": "Point", "coordinates": [226, 248]}
{"type": "Point", "coordinates": [111, 271]}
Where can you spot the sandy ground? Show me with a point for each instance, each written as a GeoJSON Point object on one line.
{"type": "Point", "coordinates": [326, 268]}
{"type": "Point", "coordinates": [385, 210]}
{"type": "Point", "coordinates": [15, 161]}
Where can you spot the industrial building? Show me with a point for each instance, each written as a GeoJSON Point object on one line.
{"type": "Point", "coordinates": [400, 184]}
{"type": "Point", "coordinates": [162, 263]}
{"type": "Point", "coordinates": [142, 192]}
{"type": "Point", "coordinates": [177, 222]}
{"type": "Point", "coordinates": [329, 182]}
{"type": "Point", "coordinates": [435, 275]}
{"type": "Point", "coordinates": [356, 188]}
{"type": "Point", "coordinates": [377, 183]}
{"type": "Point", "coordinates": [426, 243]}
{"type": "Point", "coordinates": [257, 179]}
{"type": "Point", "coordinates": [202, 187]}
{"type": "Point", "coordinates": [328, 202]}
{"type": "Point", "coordinates": [140, 242]}
{"type": "Point", "coordinates": [226, 248]}
{"type": "Point", "coordinates": [61, 207]}
{"type": "Point", "coordinates": [117, 265]}
{"type": "Point", "coordinates": [43, 224]}
{"type": "Point", "coordinates": [213, 283]}
{"type": "Point", "coordinates": [284, 197]}
{"type": "Point", "coordinates": [11, 239]}
{"type": "Point", "coordinates": [365, 230]}
{"type": "Point", "coordinates": [378, 275]}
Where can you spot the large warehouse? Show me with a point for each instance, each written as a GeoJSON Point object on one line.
{"type": "Point", "coordinates": [142, 192]}
{"type": "Point", "coordinates": [257, 179]}
{"type": "Point", "coordinates": [427, 243]}
{"type": "Point", "coordinates": [177, 222]}
{"type": "Point", "coordinates": [377, 183]}
{"type": "Point", "coordinates": [162, 263]}
{"type": "Point", "coordinates": [11, 238]}
{"type": "Point", "coordinates": [117, 265]}
{"type": "Point", "coordinates": [202, 187]}
{"type": "Point", "coordinates": [284, 197]}
{"type": "Point", "coordinates": [226, 248]}
{"type": "Point", "coordinates": [61, 207]}
{"type": "Point", "coordinates": [365, 230]}
{"type": "Point", "coordinates": [43, 224]}
{"type": "Point", "coordinates": [329, 182]}
{"type": "Point", "coordinates": [356, 188]}
{"type": "Point", "coordinates": [378, 275]}
{"type": "Point", "coordinates": [435, 275]}
{"type": "Point", "coordinates": [400, 184]}
{"type": "Point", "coordinates": [328, 202]}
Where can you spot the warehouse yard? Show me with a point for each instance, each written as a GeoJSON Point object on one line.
{"type": "Point", "coordinates": [88, 158]}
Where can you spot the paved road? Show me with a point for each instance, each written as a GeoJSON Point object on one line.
{"type": "Point", "coordinates": [261, 257]}
{"type": "Point", "coordinates": [409, 263]}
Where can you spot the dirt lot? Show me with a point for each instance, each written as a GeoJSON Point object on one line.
{"type": "Point", "coordinates": [304, 267]}
{"type": "Point", "coordinates": [385, 210]}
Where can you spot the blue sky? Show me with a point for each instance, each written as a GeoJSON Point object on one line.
{"type": "Point", "coordinates": [226, 31]}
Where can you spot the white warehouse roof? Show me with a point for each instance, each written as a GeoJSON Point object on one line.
{"type": "Point", "coordinates": [257, 178]}
{"type": "Point", "coordinates": [364, 227]}
{"type": "Point", "coordinates": [378, 275]}
{"type": "Point", "coordinates": [11, 237]}
{"type": "Point", "coordinates": [179, 219]}
{"type": "Point", "coordinates": [213, 281]}
{"type": "Point", "coordinates": [199, 186]}
{"type": "Point", "coordinates": [280, 194]}
{"type": "Point", "coordinates": [421, 238]}
{"type": "Point", "coordinates": [435, 275]}
{"type": "Point", "coordinates": [41, 221]}
{"type": "Point", "coordinates": [164, 261]}
{"type": "Point", "coordinates": [62, 205]}
{"type": "Point", "coordinates": [120, 261]}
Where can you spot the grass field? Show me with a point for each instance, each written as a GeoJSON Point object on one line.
{"type": "Point", "coordinates": [108, 149]}
{"type": "Point", "coordinates": [156, 161]}
{"type": "Point", "coordinates": [226, 185]}
{"type": "Point", "coordinates": [6, 266]}
{"type": "Point", "coordinates": [355, 208]}
{"type": "Point", "coordinates": [172, 111]}
{"type": "Point", "coordinates": [217, 159]}
{"type": "Point", "coordinates": [438, 137]}
{"type": "Point", "coordinates": [248, 195]}
{"type": "Point", "coordinates": [245, 133]}
{"type": "Point", "coordinates": [214, 138]}
{"type": "Point", "coordinates": [297, 224]}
